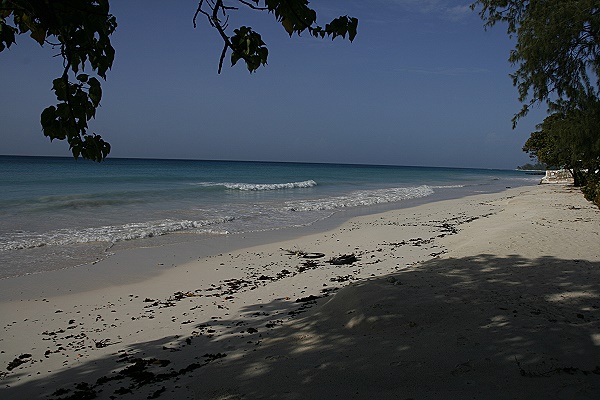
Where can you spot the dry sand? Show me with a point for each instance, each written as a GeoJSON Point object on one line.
{"type": "Point", "coordinates": [486, 297]}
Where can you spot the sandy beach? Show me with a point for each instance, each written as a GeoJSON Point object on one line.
{"type": "Point", "coordinates": [492, 296]}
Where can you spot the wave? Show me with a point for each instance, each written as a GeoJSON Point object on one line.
{"type": "Point", "coordinates": [73, 204]}
{"type": "Point", "coordinates": [66, 202]}
{"type": "Point", "coordinates": [109, 234]}
{"type": "Point", "coordinates": [262, 186]}
{"type": "Point", "coordinates": [361, 198]}
{"type": "Point", "coordinates": [447, 187]}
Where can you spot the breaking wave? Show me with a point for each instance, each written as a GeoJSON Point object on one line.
{"type": "Point", "coordinates": [270, 186]}
{"type": "Point", "coordinates": [261, 186]}
{"type": "Point", "coordinates": [109, 234]}
{"type": "Point", "coordinates": [361, 198]}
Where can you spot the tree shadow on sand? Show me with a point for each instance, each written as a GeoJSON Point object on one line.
{"type": "Point", "coordinates": [477, 327]}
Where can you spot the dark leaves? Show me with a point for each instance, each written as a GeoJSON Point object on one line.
{"type": "Point", "coordinates": [7, 35]}
{"type": "Point", "coordinates": [340, 26]}
{"type": "Point", "coordinates": [295, 16]}
{"type": "Point", "coordinates": [248, 45]}
{"type": "Point", "coordinates": [82, 33]}
{"type": "Point", "coordinates": [69, 119]}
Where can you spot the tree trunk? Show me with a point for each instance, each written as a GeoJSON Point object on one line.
{"type": "Point", "coordinates": [576, 177]}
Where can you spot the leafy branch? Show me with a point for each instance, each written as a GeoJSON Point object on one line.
{"type": "Point", "coordinates": [81, 30]}
{"type": "Point", "coordinates": [245, 44]}
{"type": "Point", "coordinates": [557, 48]}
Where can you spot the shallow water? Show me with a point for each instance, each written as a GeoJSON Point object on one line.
{"type": "Point", "coordinates": [58, 212]}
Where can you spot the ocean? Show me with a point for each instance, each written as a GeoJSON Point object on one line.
{"type": "Point", "coordinates": [59, 212]}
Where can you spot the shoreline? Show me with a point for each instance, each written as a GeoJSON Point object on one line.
{"type": "Point", "coordinates": [85, 211]}
{"type": "Point", "coordinates": [98, 274]}
{"type": "Point", "coordinates": [257, 322]}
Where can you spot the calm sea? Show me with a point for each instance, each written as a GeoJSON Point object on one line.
{"type": "Point", "coordinates": [58, 212]}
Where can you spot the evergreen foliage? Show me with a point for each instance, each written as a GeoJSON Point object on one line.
{"type": "Point", "coordinates": [533, 167]}
{"type": "Point", "coordinates": [557, 54]}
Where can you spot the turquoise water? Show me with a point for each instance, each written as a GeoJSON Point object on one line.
{"type": "Point", "coordinates": [58, 212]}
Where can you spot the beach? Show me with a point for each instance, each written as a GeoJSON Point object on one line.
{"type": "Point", "coordinates": [490, 296]}
{"type": "Point", "coordinates": [85, 211]}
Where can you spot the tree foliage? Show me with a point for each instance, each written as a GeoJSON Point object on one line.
{"type": "Point", "coordinates": [557, 48]}
{"type": "Point", "coordinates": [569, 139]}
{"type": "Point", "coordinates": [81, 29]}
{"type": "Point", "coordinates": [557, 54]}
{"type": "Point", "coordinates": [294, 15]}
{"type": "Point", "coordinates": [534, 167]}
{"type": "Point", "coordinates": [542, 144]}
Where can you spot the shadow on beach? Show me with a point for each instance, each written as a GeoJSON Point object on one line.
{"type": "Point", "coordinates": [476, 327]}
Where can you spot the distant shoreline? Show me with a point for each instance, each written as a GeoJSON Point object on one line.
{"type": "Point", "coordinates": [253, 161]}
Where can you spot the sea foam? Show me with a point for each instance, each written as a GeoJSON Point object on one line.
{"type": "Point", "coordinates": [109, 234]}
{"type": "Point", "coordinates": [270, 186]}
{"type": "Point", "coordinates": [361, 198]}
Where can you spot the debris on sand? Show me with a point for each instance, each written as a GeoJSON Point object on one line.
{"type": "Point", "coordinates": [344, 259]}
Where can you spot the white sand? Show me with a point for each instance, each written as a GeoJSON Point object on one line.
{"type": "Point", "coordinates": [490, 296]}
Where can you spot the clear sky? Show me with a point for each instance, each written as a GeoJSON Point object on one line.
{"type": "Point", "coordinates": [422, 84]}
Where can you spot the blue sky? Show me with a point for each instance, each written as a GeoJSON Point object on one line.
{"type": "Point", "coordinates": [422, 84]}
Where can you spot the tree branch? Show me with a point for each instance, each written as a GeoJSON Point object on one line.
{"type": "Point", "coordinates": [252, 6]}
{"type": "Point", "coordinates": [222, 57]}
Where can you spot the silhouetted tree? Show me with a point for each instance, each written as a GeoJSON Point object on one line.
{"type": "Point", "coordinates": [81, 30]}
